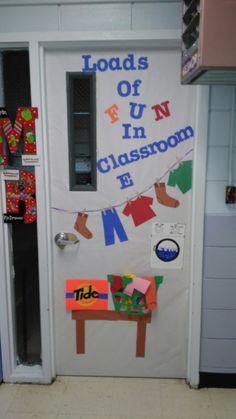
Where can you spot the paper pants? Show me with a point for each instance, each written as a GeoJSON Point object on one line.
{"type": "Point", "coordinates": [112, 223]}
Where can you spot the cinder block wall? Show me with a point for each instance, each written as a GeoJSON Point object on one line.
{"type": "Point", "coordinates": [218, 336]}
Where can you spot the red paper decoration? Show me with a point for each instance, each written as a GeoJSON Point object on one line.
{"type": "Point", "coordinates": [25, 120]}
{"type": "Point", "coordinates": [22, 190]}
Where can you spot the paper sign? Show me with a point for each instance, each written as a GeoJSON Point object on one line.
{"type": "Point", "coordinates": [167, 245]}
{"type": "Point", "coordinates": [10, 175]}
{"type": "Point", "coordinates": [12, 218]}
{"type": "Point", "coordinates": [168, 229]}
{"type": "Point", "coordinates": [30, 160]}
{"type": "Point", "coordinates": [167, 252]}
{"type": "Point", "coordinates": [86, 294]}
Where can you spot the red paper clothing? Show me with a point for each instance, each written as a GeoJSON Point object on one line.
{"type": "Point", "coordinates": [140, 210]}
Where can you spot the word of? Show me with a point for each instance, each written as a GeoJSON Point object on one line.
{"type": "Point", "coordinates": [106, 164]}
{"type": "Point", "coordinates": [124, 88]}
{"type": "Point", "coordinates": [130, 63]}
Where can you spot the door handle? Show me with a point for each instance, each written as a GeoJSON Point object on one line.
{"type": "Point", "coordinates": [63, 239]}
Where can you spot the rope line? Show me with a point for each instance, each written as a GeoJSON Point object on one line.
{"type": "Point", "coordinates": [85, 210]}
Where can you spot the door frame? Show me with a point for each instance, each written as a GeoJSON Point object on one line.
{"type": "Point", "coordinates": [37, 43]}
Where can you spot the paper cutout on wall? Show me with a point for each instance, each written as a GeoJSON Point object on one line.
{"type": "Point", "coordinates": [167, 250]}
{"type": "Point", "coordinates": [80, 225]}
{"type": "Point", "coordinates": [25, 120]}
{"type": "Point", "coordinates": [167, 245]}
{"type": "Point", "coordinates": [138, 206]}
{"type": "Point", "coordinates": [22, 190]}
{"type": "Point", "coordinates": [162, 196]}
{"type": "Point", "coordinates": [112, 224]}
{"type": "Point", "coordinates": [140, 210]}
{"type": "Point", "coordinates": [138, 284]}
{"type": "Point", "coordinates": [88, 300]}
{"type": "Point", "coordinates": [182, 176]}
{"type": "Point", "coordinates": [86, 294]}
{"type": "Point", "coordinates": [134, 295]}
{"type": "Point", "coordinates": [82, 316]}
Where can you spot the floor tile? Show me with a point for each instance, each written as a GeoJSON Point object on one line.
{"type": "Point", "coordinates": [180, 402]}
{"type": "Point", "coordinates": [15, 415]}
{"type": "Point", "coordinates": [7, 394]}
{"type": "Point", "coordinates": [223, 398]}
{"type": "Point", "coordinates": [135, 397]}
{"type": "Point", "coordinates": [40, 399]}
{"type": "Point", "coordinates": [115, 398]}
{"type": "Point", "coordinates": [223, 402]}
{"type": "Point", "coordinates": [86, 397]}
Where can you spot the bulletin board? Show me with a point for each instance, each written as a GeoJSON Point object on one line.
{"type": "Point", "coordinates": [137, 221]}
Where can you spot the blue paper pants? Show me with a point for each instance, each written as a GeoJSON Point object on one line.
{"type": "Point", "coordinates": [112, 223]}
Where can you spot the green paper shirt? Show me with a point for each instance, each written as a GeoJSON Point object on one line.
{"type": "Point", "coordinates": [182, 176]}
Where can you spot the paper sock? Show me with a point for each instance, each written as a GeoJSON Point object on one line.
{"type": "Point", "coordinates": [162, 196]}
{"type": "Point", "coordinates": [80, 225]}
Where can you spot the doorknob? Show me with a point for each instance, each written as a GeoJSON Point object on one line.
{"type": "Point", "coordinates": [63, 239]}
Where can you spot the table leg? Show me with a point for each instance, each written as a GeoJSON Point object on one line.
{"type": "Point", "coordinates": [80, 336]}
{"type": "Point", "coordinates": [141, 337]}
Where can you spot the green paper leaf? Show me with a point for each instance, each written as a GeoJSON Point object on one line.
{"type": "Point", "coordinates": [30, 137]}
{"type": "Point", "coordinates": [26, 114]}
{"type": "Point", "coordinates": [12, 140]}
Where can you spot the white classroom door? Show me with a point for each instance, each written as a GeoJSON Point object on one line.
{"type": "Point", "coordinates": [146, 92]}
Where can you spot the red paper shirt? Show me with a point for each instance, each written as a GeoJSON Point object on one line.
{"type": "Point", "coordinates": [140, 210]}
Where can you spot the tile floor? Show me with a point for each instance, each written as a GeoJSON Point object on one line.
{"type": "Point", "coordinates": [113, 398]}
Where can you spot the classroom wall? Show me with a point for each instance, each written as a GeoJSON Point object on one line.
{"type": "Point", "coordinates": [218, 335]}
{"type": "Point", "coordinates": [17, 16]}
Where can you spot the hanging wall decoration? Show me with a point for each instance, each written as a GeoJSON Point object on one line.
{"type": "Point", "coordinates": [133, 294]}
{"type": "Point", "coordinates": [86, 294]}
{"type": "Point", "coordinates": [25, 121]}
{"type": "Point", "coordinates": [144, 139]}
{"type": "Point", "coordinates": [182, 176]}
{"type": "Point", "coordinates": [134, 299]}
{"type": "Point", "coordinates": [144, 130]}
{"type": "Point", "coordinates": [23, 191]}
{"type": "Point", "coordinates": [167, 245]}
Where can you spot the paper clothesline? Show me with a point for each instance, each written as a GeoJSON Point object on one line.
{"type": "Point", "coordinates": [85, 210]}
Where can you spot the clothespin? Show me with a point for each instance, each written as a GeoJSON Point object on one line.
{"type": "Point", "coordinates": [180, 161]}
{"type": "Point", "coordinates": [128, 201]}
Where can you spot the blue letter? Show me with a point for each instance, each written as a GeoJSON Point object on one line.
{"type": "Point", "coordinates": [125, 180]}
{"type": "Point", "coordinates": [135, 86]}
{"type": "Point", "coordinates": [107, 167]}
{"type": "Point", "coordinates": [139, 110]}
{"type": "Point", "coordinates": [86, 64]}
{"type": "Point", "coordinates": [127, 90]}
{"type": "Point", "coordinates": [126, 133]}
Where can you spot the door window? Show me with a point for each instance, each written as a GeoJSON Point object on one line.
{"type": "Point", "coordinates": [82, 131]}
